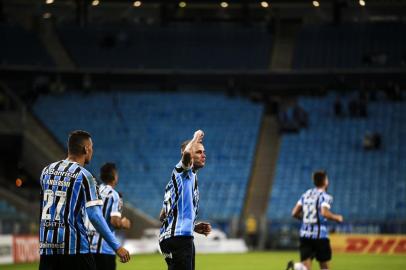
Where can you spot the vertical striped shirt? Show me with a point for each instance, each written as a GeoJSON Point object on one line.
{"type": "Point", "coordinates": [181, 203]}
{"type": "Point", "coordinates": [66, 190]}
{"type": "Point", "coordinates": [112, 207]}
{"type": "Point", "coordinates": [314, 225]}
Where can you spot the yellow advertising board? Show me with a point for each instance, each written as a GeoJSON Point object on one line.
{"type": "Point", "coordinates": [368, 243]}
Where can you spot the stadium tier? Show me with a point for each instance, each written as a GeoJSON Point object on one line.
{"type": "Point", "coordinates": [368, 185]}
{"type": "Point", "coordinates": [22, 47]}
{"type": "Point", "coordinates": [142, 133]}
{"type": "Point", "coordinates": [10, 213]}
{"type": "Point", "coordinates": [176, 46]}
{"type": "Point", "coordinates": [350, 45]}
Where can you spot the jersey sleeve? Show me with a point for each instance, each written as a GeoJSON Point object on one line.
{"type": "Point", "coordinates": [116, 205]}
{"type": "Point", "coordinates": [326, 200]}
{"type": "Point", "coordinates": [91, 193]}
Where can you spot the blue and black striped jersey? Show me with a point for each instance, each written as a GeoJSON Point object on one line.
{"type": "Point", "coordinates": [66, 190]}
{"type": "Point", "coordinates": [181, 203]}
{"type": "Point", "coordinates": [112, 206]}
{"type": "Point", "coordinates": [314, 225]}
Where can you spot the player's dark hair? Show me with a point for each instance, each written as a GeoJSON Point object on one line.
{"type": "Point", "coordinates": [76, 140]}
{"type": "Point", "coordinates": [183, 145]}
{"type": "Point", "coordinates": [107, 172]}
{"type": "Point", "coordinates": [319, 177]}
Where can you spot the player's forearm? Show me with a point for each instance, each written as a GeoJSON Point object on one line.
{"type": "Point", "coordinates": [100, 224]}
{"type": "Point", "coordinates": [329, 215]}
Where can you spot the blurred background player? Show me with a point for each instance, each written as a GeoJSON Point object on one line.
{"type": "Point", "coordinates": [104, 255]}
{"type": "Point", "coordinates": [180, 207]}
{"type": "Point", "coordinates": [313, 209]}
{"type": "Point", "coordinates": [67, 190]}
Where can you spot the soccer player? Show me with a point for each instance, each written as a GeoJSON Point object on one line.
{"type": "Point", "coordinates": [68, 190]}
{"type": "Point", "coordinates": [180, 207]}
{"type": "Point", "coordinates": [104, 255]}
{"type": "Point", "coordinates": [313, 209]}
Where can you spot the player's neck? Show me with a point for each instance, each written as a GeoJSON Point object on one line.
{"type": "Point", "coordinates": [79, 160]}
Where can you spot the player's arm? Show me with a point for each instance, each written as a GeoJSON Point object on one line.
{"type": "Point", "coordinates": [187, 153]}
{"type": "Point", "coordinates": [203, 228]}
{"type": "Point", "coordinates": [120, 222]}
{"type": "Point", "coordinates": [162, 215]}
{"type": "Point", "coordinates": [99, 223]}
{"type": "Point", "coordinates": [325, 212]}
{"type": "Point", "coordinates": [116, 220]}
{"type": "Point", "coordinates": [297, 211]}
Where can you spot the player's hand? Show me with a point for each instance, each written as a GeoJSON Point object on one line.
{"type": "Point", "coordinates": [123, 254]}
{"type": "Point", "coordinates": [198, 136]}
{"type": "Point", "coordinates": [340, 218]}
{"type": "Point", "coordinates": [203, 228]}
{"type": "Point", "coordinates": [125, 223]}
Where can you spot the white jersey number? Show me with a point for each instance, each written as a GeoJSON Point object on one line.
{"type": "Point", "coordinates": [50, 199]}
{"type": "Point", "coordinates": [310, 211]}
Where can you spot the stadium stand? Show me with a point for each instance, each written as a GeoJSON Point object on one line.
{"type": "Point", "coordinates": [142, 133]}
{"type": "Point", "coordinates": [176, 46]}
{"type": "Point", "coordinates": [350, 45]}
{"type": "Point", "coordinates": [22, 47]}
{"type": "Point", "coordinates": [368, 185]}
{"type": "Point", "coordinates": [9, 217]}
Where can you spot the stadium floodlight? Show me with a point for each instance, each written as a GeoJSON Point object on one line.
{"type": "Point", "coordinates": [48, 2]}
{"type": "Point", "coordinates": [224, 4]}
{"type": "Point", "coordinates": [137, 3]}
{"type": "Point", "coordinates": [264, 4]}
{"type": "Point", "coordinates": [316, 3]}
{"type": "Point", "coordinates": [182, 4]}
{"type": "Point", "coordinates": [95, 2]}
{"type": "Point", "coordinates": [362, 3]}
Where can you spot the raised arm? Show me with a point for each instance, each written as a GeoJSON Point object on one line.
{"type": "Point", "coordinates": [187, 161]}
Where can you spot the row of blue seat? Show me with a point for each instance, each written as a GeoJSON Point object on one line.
{"type": "Point", "coordinates": [142, 133]}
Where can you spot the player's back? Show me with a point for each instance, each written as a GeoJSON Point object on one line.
{"type": "Point", "coordinates": [112, 207]}
{"type": "Point", "coordinates": [66, 189]}
{"type": "Point", "coordinates": [313, 223]}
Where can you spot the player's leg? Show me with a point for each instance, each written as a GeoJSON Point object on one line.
{"type": "Point", "coordinates": [105, 261]}
{"type": "Point", "coordinates": [193, 256]}
{"type": "Point", "coordinates": [47, 262]}
{"type": "Point", "coordinates": [178, 253]}
{"type": "Point", "coordinates": [306, 250]}
{"type": "Point", "coordinates": [324, 254]}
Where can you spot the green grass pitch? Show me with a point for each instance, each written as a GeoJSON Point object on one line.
{"type": "Point", "coordinates": [254, 261]}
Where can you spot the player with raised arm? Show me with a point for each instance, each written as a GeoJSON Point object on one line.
{"type": "Point", "coordinates": [104, 255]}
{"type": "Point", "coordinates": [313, 209]}
{"type": "Point", "coordinates": [68, 190]}
{"type": "Point", "coordinates": [180, 207]}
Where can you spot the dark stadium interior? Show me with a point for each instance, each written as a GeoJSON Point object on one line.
{"type": "Point", "coordinates": [280, 90]}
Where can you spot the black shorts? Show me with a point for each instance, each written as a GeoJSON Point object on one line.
{"type": "Point", "coordinates": [315, 248]}
{"type": "Point", "coordinates": [105, 261]}
{"type": "Point", "coordinates": [67, 262]}
{"type": "Point", "coordinates": [179, 253]}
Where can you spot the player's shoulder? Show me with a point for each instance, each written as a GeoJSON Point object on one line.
{"type": "Point", "coordinates": [86, 173]}
{"type": "Point", "coordinates": [308, 192]}
{"type": "Point", "coordinates": [327, 195]}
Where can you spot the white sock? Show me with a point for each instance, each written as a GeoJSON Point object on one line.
{"type": "Point", "coordinates": [299, 266]}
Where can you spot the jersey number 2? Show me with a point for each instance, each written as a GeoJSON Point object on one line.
{"type": "Point", "coordinates": [49, 197]}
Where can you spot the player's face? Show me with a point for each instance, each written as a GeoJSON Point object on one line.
{"type": "Point", "coordinates": [89, 151]}
{"type": "Point", "coordinates": [199, 156]}
{"type": "Point", "coordinates": [115, 177]}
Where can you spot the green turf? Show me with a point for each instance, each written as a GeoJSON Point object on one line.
{"type": "Point", "coordinates": [255, 261]}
